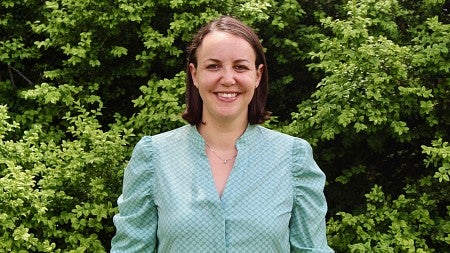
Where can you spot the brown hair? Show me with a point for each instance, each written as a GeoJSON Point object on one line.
{"type": "Point", "coordinates": [194, 103]}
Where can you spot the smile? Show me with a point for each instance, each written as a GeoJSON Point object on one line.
{"type": "Point", "coordinates": [227, 95]}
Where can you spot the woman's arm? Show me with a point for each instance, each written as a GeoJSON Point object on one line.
{"type": "Point", "coordinates": [136, 222]}
{"type": "Point", "coordinates": [308, 224]}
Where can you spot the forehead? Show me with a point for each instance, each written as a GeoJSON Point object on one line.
{"type": "Point", "coordinates": [222, 45]}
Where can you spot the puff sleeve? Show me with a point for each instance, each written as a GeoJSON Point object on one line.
{"type": "Point", "coordinates": [136, 222]}
{"type": "Point", "coordinates": [307, 225]}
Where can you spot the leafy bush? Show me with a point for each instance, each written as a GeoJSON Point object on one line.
{"type": "Point", "coordinates": [381, 102]}
{"type": "Point", "coordinates": [58, 195]}
{"type": "Point", "coordinates": [416, 221]}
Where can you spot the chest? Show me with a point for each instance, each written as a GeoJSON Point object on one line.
{"type": "Point", "coordinates": [257, 198]}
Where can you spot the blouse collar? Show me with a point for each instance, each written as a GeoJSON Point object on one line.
{"type": "Point", "coordinates": [250, 135]}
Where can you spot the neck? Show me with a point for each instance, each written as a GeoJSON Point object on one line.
{"type": "Point", "coordinates": [220, 136]}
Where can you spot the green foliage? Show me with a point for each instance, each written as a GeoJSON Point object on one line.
{"type": "Point", "coordinates": [438, 156]}
{"type": "Point", "coordinates": [57, 195]}
{"type": "Point", "coordinates": [159, 106]}
{"type": "Point", "coordinates": [383, 95]}
{"type": "Point", "coordinates": [365, 74]}
{"type": "Point", "coordinates": [365, 81]}
{"type": "Point", "coordinates": [416, 221]}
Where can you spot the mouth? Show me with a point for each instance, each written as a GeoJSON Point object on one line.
{"type": "Point", "coordinates": [227, 94]}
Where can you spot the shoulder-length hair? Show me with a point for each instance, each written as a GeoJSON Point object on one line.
{"type": "Point", "coordinates": [257, 113]}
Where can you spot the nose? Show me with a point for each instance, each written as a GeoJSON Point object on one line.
{"type": "Point", "coordinates": [228, 77]}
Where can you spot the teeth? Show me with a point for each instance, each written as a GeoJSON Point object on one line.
{"type": "Point", "coordinates": [227, 95]}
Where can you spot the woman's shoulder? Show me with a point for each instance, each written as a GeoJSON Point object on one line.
{"type": "Point", "coordinates": [297, 148]}
{"type": "Point", "coordinates": [295, 151]}
{"type": "Point", "coordinates": [168, 136]}
{"type": "Point", "coordinates": [275, 136]}
{"type": "Point", "coordinates": [170, 140]}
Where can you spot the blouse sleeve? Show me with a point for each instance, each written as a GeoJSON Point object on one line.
{"type": "Point", "coordinates": [308, 225]}
{"type": "Point", "coordinates": [136, 222]}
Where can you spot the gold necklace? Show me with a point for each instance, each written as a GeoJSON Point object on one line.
{"type": "Point", "coordinates": [225, 161]}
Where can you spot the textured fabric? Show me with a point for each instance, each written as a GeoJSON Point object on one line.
{"type": "Point", "coordinates": [273, 199]}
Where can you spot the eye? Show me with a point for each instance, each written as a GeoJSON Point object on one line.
{"type": "Point", "coordinates": [213, 66]}
{"type": "Point", "coordinates": [241, 68]}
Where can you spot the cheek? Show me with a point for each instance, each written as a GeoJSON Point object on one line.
{"type": "Point", "coordinates": [205, 84]}
{"type": "Point", "coordinates": [206, 79]}
{"type": "Point", "coordinates": [249, 81]}
{"type": "Point", "coordinates": [253, 92]}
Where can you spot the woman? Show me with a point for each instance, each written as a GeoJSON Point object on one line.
{"type": "Point", "coordinates": [222, 183]}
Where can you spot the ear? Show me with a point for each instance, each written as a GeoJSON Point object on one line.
{"type": "Point", "coordinates": [259, 73]}
{"type": "Point", "coordinates": [193, 71]}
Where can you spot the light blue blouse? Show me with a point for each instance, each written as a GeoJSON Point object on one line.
{"type": "Point", "coordinates": [273, 199]}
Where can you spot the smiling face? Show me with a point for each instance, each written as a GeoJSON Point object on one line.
{"type": "Point", "coordinates": [226, 76]}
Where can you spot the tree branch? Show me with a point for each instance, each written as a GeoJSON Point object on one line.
{"type": "Point", "coordinates": [18, 72]}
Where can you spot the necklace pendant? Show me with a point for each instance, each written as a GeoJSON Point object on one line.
{"type": "Point", "coordinates": [225, 161]}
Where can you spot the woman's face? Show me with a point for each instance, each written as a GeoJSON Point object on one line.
{"type": "Point", "coordinates": [226, 76]}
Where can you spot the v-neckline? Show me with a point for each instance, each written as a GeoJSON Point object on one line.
{"type": "Point", "coordinates": [200, 146]}
{"type": "Point", "coordinates": [211, 182]}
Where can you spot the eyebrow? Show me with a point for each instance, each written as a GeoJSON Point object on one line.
{"type": "Point", "coordinates": [236, 61]}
